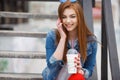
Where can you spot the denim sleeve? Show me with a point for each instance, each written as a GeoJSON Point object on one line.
{"type": "Point", "coordinates": [50, 49]}
{"type": "Point", "coordinates": [91, 60]}
{"type": "Point", "coordinates": [53, 65]}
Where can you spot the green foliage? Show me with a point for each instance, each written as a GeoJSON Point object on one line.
{"type": "Point", "coordinates": [3, 64]}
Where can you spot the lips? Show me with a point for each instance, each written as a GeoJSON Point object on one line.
{"type": "Point", "coordinates": [69, 25]}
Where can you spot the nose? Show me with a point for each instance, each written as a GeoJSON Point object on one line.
{"type": "Point", "coordinates": [68, 20]}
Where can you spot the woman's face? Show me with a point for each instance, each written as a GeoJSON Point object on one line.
{"type": "Point", "coordinates": [69, 19]}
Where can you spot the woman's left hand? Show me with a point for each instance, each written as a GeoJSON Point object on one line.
{"type": "Point", "coordinates": [78, 65]}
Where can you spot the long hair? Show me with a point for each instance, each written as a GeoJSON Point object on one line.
{"type": "Point", "coordinates": [83, 31]}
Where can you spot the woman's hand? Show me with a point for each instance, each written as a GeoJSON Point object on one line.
{"type": "Point", "coordinates": [79, 65]}
{"type": "Point", "coordinates": [60, 29]}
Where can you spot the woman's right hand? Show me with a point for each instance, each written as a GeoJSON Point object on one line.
{"type": "Point", "coordinates": [60, 28]}
{"type": "Point", "coordinates": [78, 64]}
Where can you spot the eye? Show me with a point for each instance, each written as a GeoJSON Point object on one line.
{"type": "Point", "coordinates": [73, 16]}
{"type": "Point", "coordinates": [63, 17]}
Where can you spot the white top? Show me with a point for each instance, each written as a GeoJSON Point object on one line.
{"type": "Point", "coordinates": [63, 75]}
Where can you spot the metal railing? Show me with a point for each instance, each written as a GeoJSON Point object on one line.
{"type": "Point", "coordinates": [109, 43]}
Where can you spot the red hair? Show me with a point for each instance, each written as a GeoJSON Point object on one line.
{"type": "Point", "coordinates": [83, 31]}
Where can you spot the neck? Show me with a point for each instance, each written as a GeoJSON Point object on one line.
{"type": "Point", "coordinates": [72, 35]}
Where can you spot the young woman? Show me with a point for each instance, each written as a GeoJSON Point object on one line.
{"type": "Point", "coordinates": [71, 32]}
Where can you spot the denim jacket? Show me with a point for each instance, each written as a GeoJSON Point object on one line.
{"type": "Point", "coordinates": [54, 66]}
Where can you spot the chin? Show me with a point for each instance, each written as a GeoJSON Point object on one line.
{"type": "Point", "coordinates": [69, 30]}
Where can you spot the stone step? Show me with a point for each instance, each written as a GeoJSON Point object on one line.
{"type": "Point", "coordinates": [20, 76]}
{"type": "Point", "coordinates": [22, 34]}
{"type": "Point", "coordinates": [22, 54]}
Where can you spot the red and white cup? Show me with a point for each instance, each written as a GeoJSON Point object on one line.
{"type": "Point", "coordinates": [71, 54]}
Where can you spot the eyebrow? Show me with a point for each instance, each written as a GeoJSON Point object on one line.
{"type": "Point", "coordinates": [73, 14]}
{"type": "Point", "coordinates": [70, 14]}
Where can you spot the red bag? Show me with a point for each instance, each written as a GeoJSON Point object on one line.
{"type": "Point", "coordinates": [76, 76]}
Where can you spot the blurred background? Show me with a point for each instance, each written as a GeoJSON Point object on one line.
{"type": "Point", "coordinates": [14, 65]}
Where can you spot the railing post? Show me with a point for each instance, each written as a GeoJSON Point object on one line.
{"type": "Point", "coordinates": [87, 7]}
{"type": "Point", "coordinates": [93, 3]}
{"type": "Point", "coordinates": [110, 32]}
{"type": "Point", "coordinates": [2, 20]}
{"type": "Point", "coordinates": [104, 56]}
